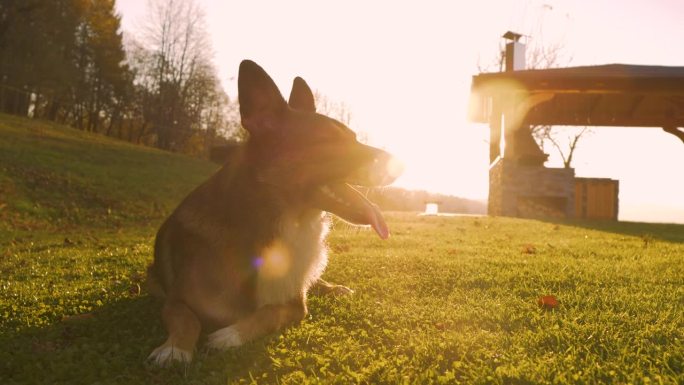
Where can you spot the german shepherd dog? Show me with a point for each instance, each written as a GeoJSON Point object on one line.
{"type": "Point", "coordinates": [238, 255]}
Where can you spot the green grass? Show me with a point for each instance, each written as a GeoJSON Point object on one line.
{"type": "Point", "coordinates": [55, 178]}
{"type": "Point", "coordinates": [445, 300]}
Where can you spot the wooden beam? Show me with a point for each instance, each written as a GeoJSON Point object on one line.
{"type": "Point", "coordinates": [495, 131]}
{"type": "Point", "coordinates": [675, 131]}
{"type": "Point", "coordinates": [636, 101]}
{"type": "Point", "coordinates": [570, 117]}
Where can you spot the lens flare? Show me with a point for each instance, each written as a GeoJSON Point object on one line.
{"type": "Point", "coordinates": [275, 261]}
{"type": "Point", "coordinates": [394, 167]}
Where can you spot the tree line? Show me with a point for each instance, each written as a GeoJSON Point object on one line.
{"type": "Point", "coordinates": [68, 61]}
{"type": "Point", "coordinates": [399, 199]}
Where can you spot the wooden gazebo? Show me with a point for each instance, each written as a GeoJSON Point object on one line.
{"type": "Point", "coordinates": [605, 95]}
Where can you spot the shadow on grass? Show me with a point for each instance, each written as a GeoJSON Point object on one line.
{"type": "Point", "coordinates": [110, 345]}
{"type": "Point", "coordinates": [647, 231]}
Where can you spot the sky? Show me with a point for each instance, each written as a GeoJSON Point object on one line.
{"type": "Point", "coordinates": [404, 68]}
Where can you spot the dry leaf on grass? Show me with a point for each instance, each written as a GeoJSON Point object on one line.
{"type": "Point", "coordinates": [547, 302]}
{"type": "Point", "coordinates": [529, 249]}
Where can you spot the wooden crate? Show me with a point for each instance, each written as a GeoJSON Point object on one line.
{"type": "Point", "coordinates": [596, 198]}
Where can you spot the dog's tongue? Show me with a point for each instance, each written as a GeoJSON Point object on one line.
{"type": "Point", "coordinates": [347, 203]}
{"type": "Point", "coordinates": [377, 221]}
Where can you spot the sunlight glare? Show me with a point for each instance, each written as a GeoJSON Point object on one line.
{"type": "Point", "coordinates": [275, 260]}
{"type": "Point", "coordinates": [408, 88]}
{"type": "Point", "coordinates": [394, 167]}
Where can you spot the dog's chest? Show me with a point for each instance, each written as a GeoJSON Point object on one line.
{"type": "Point", "coordinates": [294, 260]}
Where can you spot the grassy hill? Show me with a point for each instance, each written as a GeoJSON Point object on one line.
{"type": "Point", "coordinates": [55, 177]}
{"type": "Point", "coordinates": [444, 300]}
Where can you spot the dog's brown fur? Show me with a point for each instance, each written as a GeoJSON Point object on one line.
{"type": "Point", "coordinates": [239, 254]}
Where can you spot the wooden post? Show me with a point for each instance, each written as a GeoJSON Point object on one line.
{"type": "Point", "coordinates": [495, 131]}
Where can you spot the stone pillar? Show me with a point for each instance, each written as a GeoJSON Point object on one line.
{"type": "Point", "coordinates": [531, 191]}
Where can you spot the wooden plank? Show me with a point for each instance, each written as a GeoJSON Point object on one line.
{"type": "Point", "coordinates": [579, 199]}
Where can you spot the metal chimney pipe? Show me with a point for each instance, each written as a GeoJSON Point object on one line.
{"type": "Point", "coordinates": [515, 52]}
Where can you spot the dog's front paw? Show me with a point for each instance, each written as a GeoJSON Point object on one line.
{"type": "Point", "coordinates": [222, 339]}
{"type": "Point", "coordinates": [167, 355]}
{"type": "Point", "coordinates": [322, 287]}
{"type": "Point", "coordinates": [339, 290]}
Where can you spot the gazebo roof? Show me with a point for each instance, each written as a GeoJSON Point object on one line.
{"type": "Point", "coordinates": [605, 95]}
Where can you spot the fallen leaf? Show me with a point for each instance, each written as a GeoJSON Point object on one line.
{"type": "Point", "coordinates": [548, 302]}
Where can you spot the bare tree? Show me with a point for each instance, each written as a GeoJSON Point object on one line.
{"type": "Point", "coordinates": [179, 102]}
{"type": "Point", "coordinates": [564, 140]}
{"type": "Point", "coordinates": [174, 32]}
{"type": "Point", "coordinates": [333, 109]}
{"type": "Point", "coordinates": [179, 55]}
{"type": "Point", "coordinates": [339, 111]}
{"type": "Point", "coordinates": [543, 53]}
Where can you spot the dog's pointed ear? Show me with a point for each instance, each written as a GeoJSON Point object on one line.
{"type": "Point", "coordinates": [301, 97]}
{"type": "Point", "coordinates": [261, 103]}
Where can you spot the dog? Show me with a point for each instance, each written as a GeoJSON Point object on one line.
{"type": "Point", "coordinates": [238, 255]}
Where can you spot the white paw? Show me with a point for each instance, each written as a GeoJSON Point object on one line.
{"type": "Point", "coordinates": [225, 338]}
{"type": "Point", "coordinates": [166, 355]}
{"type": "Point", "coordinates": [340, 291]}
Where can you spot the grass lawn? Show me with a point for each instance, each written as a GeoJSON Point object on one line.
{"type": "Point", "coordinates": [444, 300]}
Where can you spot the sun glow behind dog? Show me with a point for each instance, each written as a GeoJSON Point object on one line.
{"type": "Point", "coordinates": [395, 167]}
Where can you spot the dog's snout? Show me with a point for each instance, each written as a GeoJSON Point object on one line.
{"type": "Point", "coordinates": [378, 168]}
{"type": "Point", "coordinates": [385, 169]}
{"type": "Point", "coordinates": [394, 168]}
